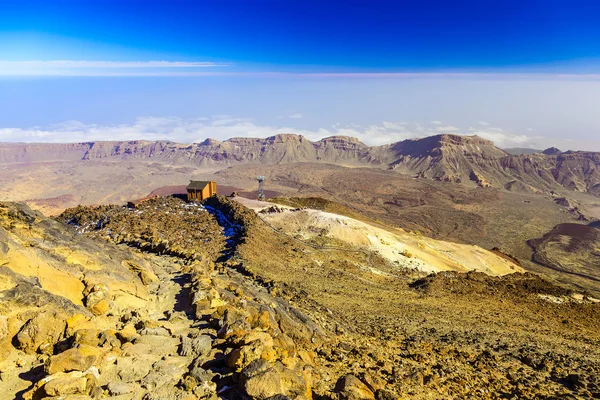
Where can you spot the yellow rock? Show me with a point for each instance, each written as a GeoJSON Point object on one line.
{"type": "Point", "coordinates": [100, 308]}
{"type": "Point", "coordinates": [214, 303]}
{"type": "Point", "coordinates": [307, 356]}
{"type": "Point", "coordinates": [128, 301]}
{"type": "Point", "coordinates": [6, 283]}
{"type": "Point", "coordinates": [269, 354]}
{"type": "Point", "coordinates": [89, 337]}
{"type": "Point", "coordinates": [241, 357]}
{"type": "Point", "coordinates": [65, 384]}
{"type": "Point", "coordinates": [26, 262]}
{"type": "Point", "coordinates": [264, 337]}
{"type": "Point", "coordinates": [70, 360]}
{"type": "Point", "coordinates": [127, 334]}
{"type": "Point", "coordinates": [77, 322]}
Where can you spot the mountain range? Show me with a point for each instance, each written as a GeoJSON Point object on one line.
{"type": "Point", "coordinates": [452, 158]}
{"type": "Point", "coordinates": [235, 298]}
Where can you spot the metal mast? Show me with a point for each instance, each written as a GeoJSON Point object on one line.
{"type": "Point", "coordinates": [261, 190]}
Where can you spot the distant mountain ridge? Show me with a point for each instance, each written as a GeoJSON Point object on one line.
{"type": "Point", "coordinates": [447, 157]}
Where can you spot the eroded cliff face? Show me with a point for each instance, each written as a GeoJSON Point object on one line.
{"type": "Point", "coordinates": [42, 152]}
{"type": "Point", "coordinates": [452, 158]}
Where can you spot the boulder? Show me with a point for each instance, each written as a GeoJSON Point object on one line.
{"type": "Point", "coordinates": [98, 300]}
{"type": "Point", "coordinates": [294, 383]}
{"type": "Point", "coordinates": [264, 337]}
{"type": "Point", "coordinates": [196, 347]}
{"type": "Point", "coordinates": [349, 387]}
{"type": "Point", "coordinates": [131, 369]}
{"type": "Point", "coordinates": [78, 322]}
{"type": "Point", "coordinates": [200, 374]}
{"type": "Point", "coordinates": [90, 337]}
{"type": "Point", "coordinates": [261, 380]}
{"type": "Point", "coordinates": [168, 371]}
{"type": "Point", "coordinates": [108, 337]}
{"type": "Point", "coordinates": [206, 390]}
{"type": "Point", "coordinates": [147, 277]}
{"type": "Point", "coordinates": [240, 358]}
{"type": "Point", "coordinates": [43, 330]}
{"type": "Point", "coordinates": [69, 360]}
{"type": "Point", "coordinates": [67, 384]}
{"type": "Point", "coordinates": [100, 307]}
{"type": "Point", "coordinates": [119, 388]}
{"type": "Point", "coordinates": [127, 334]}
{"type": "Point", "coordinates": [64, 384]}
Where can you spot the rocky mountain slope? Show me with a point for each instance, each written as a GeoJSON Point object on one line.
{"type": "Point", "coordinates": [83, 318]}
{"type": "Point", "coordinates": [570, 248]}
{"type": "Point", "coordinates": [466, 159]}
{"type": "Point", "coordinates": [185, 301]}
{"type": "Point", "coordinates": [400, 248]}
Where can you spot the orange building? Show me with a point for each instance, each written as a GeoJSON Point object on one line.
{"type": "Point", "coordinates": [200, 190]}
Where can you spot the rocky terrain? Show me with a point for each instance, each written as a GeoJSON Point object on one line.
{"type": "Point", "coordinates": [456, 188]}
{"type": "Point", "coordinates": [185, 301]}
{"type": "Point", "coordinates": [454, 158]}
{"type": "Point", "coordinates": [83, 318]}
{"type": "Point", "coordinates": [570, 248]}
{"type": "Point", "coordinates": [486, 217]}
{"type": "Point", "coordinates": [323, 293]}
{"type": "Point", "coordinates": [401, 249]}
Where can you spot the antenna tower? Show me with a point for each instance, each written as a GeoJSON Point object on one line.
{"type": "Point", "coordinates": [261, 189]}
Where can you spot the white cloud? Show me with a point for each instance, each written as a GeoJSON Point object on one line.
{"type": "Point", "coordinates": [106, 64]}
{"type": "Point", "coordinates": [484, 123]}
{"type": "Point", "coordinates": [228, 121]}
{"type": "Point", "coordinates": [447, 129]}
{"type": "Point", "coordinates": [99, 68]}
{"type": "Point", "coordinates": [192, 130]}
{"type": "Point", "coordinates": [436, 122]}
{"type": "Point", "coordinates": [295, 116]}
{"type": "Point", "coordinates": [501, 139]}
{"type": "Point", "coordinates": [222, 127]}
{"type": "Point", "coordinates": [400, 126]}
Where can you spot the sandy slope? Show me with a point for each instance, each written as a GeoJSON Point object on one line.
{"type": "Point", "coordinates": [404, 249]}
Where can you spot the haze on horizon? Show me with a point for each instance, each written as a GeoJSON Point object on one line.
{"type": "Point", "coordinates": [523, 74]}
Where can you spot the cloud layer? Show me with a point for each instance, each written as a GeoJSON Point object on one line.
{"type": "Point", "coordinates": [97, 68]}
{"type": "Point", "coordinates": [198, 68]}
{"type": "Point", "coordinates": [222, 127]}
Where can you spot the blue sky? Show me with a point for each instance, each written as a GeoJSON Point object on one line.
{"type": "Point", "coordinates": [523, 73]}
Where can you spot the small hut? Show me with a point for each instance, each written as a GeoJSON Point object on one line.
{"type": "Point", "coordinates": [200, 190]}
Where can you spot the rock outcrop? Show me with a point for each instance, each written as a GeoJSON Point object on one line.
{"type": "Point", "coordinates": [443, 157]}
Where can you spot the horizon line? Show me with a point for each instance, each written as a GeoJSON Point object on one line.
{"type": "Point", "coordinates": [144, 69]}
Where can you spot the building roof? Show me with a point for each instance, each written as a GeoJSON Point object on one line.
{"type": "Point", "coordinates": [198, 185]}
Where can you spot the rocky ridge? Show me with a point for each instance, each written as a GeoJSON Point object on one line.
{"type": "Point", "coordinates": [445, 157]}
{"type": "Point", "coordinates": [202, 330]}
{"type": "Point", "coordinates": [236, 317]}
